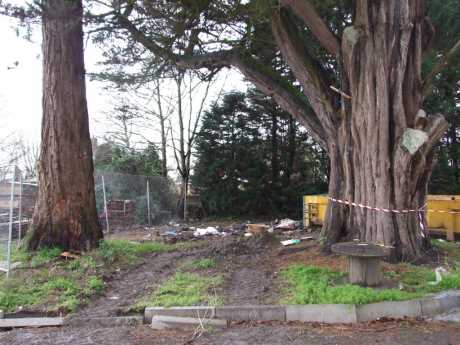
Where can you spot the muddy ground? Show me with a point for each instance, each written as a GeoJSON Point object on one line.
{"type": "Point", "coordinates": [382, 333]}
{"type": "Point", "coordinates": [250, 267]}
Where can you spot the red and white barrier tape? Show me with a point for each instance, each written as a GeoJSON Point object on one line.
{"type": "Point", "coordinates": [420, 210]}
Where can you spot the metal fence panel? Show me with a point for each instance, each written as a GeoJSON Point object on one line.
{"type": "Point", "coordinates": [124, 201]}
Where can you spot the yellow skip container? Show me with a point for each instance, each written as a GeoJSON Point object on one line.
{"type": "Point", "coordinates": [314, 212]}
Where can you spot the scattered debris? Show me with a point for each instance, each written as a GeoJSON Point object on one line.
{"type": "Point", "coordinates": [247, 234]}
{"type": "Point", "coordinates": [439, 271]}
{"type": "Point", "coordinates": [236, 228]}
{"type": "Point", "coordinates": [290, 242]}
{"type": "Point", "coordinates": [210, 230]}
{"type": "Point", "coordinates": [307, 238]}
{"type": "Point", "coordinates": [67, 255]}
{"type": "Point", "coordinates": [257, 229]}
{"type": "Point", "coordinates": [287, 224]}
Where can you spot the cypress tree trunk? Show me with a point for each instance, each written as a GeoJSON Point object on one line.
{"type": "Point", "coordinates": [383, 154]}
{"type": "Point", "coordinates": [65, 214]}
{"type": "Point", "coordinates": [377, 136]}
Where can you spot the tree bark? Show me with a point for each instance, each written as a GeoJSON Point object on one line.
{"type": "Point", "coordinates": [379, 142]}
{"type": "Point", "coordinates": [65, 214]}
{"type": "Point", "coordinates": [372, 162]}
{"type": "Point", "coordinates": [162, 117]}
{"type": "Point", "coordinates": [274, 154]}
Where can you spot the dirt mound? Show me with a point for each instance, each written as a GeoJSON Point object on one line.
{"type": "Point", "coordinates": [242, 245]}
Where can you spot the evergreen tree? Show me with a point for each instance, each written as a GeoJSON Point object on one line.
{"type": "Point", "coordinates": [252, 158]}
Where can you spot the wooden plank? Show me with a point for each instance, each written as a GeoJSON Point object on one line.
{"type": "Point", "coordinates": [32, 322]}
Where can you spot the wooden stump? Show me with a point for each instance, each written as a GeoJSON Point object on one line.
{"type": "Point", "coordinates": [364, 271]}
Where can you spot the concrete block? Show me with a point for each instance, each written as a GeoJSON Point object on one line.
{"type": "Point", "coordinates": [252, 312]}
{"type": "Point", "coordinates": [193, 311]}
{"type": "Point", "coordinates": [32, 322]}
{"type": "Point", "coordinates": [448, 302]}
{"type": "Point", "coordinates": [2, 314]}
{"type": "Point", "coordinates": [431, 306]}
{"type": "Point", "coordinates": [452, 315]}
{"type": "Point", "coordinates": [327, 313]}
{"type": "Point", "coordinates": [374, 311]}
{"type": "Point", "coordinates": [162, 322]}
{"type": "Point", "coordinates": [104, 322]}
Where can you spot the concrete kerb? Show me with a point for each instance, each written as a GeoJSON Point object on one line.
{"type": "Point", "coordinates": [160, 322]}
{"type": "Point", "coordinates": [104, 322]}
{"type": "Point", "coordinates": [252, 313]}
{"type": "Point", "coordinates": [193, 311]}
{"type": "Point", "coordinates": [397, 310]}
{"type": "Point", "coordinates": [325, 313]}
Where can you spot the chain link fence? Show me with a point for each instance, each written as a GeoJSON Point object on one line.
{"type": "Point", "coordinates": [125, 201]}
{"type": "Point", "coordinates": [17, 200]}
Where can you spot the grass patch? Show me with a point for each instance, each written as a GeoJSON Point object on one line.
{"type": "Point", "coordinates": [127, 251]}
{"type": "Point", "coordinates": [314, 285]}
{"type": "Point", "coordinates": [63, 290]}
{"type": "Point", "coordinates": [452, 248]}
{"type": "Point", "coordinates": [185, 289]}
{"type": "Point", "coordinates": [54, 284]}
{"type": "Point", "coordinates": [200, 264]}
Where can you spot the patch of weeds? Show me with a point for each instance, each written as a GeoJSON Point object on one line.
{"type": "Point", "coordinates": [125, 251]}
{"type": "Point", "coordinates": [450, 281]}
{"type": "Point", "coordinates": [15, 292]}
{"type": "Point", "coordinates": [45, 255]}
{"type": "Point", "coordinates": [417, 276]}
{"type": "Point", "coordinates": [452, 248]}
{"type": "Point", "coordinates": [423, 279]}
{"type": "Point", "coordinates": [75, 265]}
{"type": "Point", "coordinates": [189, 245]}
{"type": "Point", "coordinates": [69, 283]}
{"type": "Point", "coordinates": [198, 264]}
{"type": "Point", "coordinates": [315, 285]}
{"type": "Point", "coordinates": [185, 289]}
{"type": "Point", "coordinates": [95, 285]}
{"type": "Point", "coordinates": [19, 255]}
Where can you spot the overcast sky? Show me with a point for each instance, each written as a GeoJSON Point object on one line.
{"type": "Point", "coordinates": [20, 85]}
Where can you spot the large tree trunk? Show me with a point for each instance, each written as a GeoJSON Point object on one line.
{"type": "Point", "coordinates": [375, 160]}
{"type": "Point", "coordinates": [379, 142]}
{"type": "Point", "coordinates": [66, 214]}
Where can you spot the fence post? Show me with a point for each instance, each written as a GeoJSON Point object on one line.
{"type": "Point", "coordinates": [105, 206]}
{"type": "Point", "coordinates": [10, 228]}
{"type": "Point", "coordinates": [20, 209]}
{"type": "Point", "coordinates": [148, 201]}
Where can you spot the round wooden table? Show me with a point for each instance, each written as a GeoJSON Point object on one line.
{"type": "Point", "coordinates": [363, 261]}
